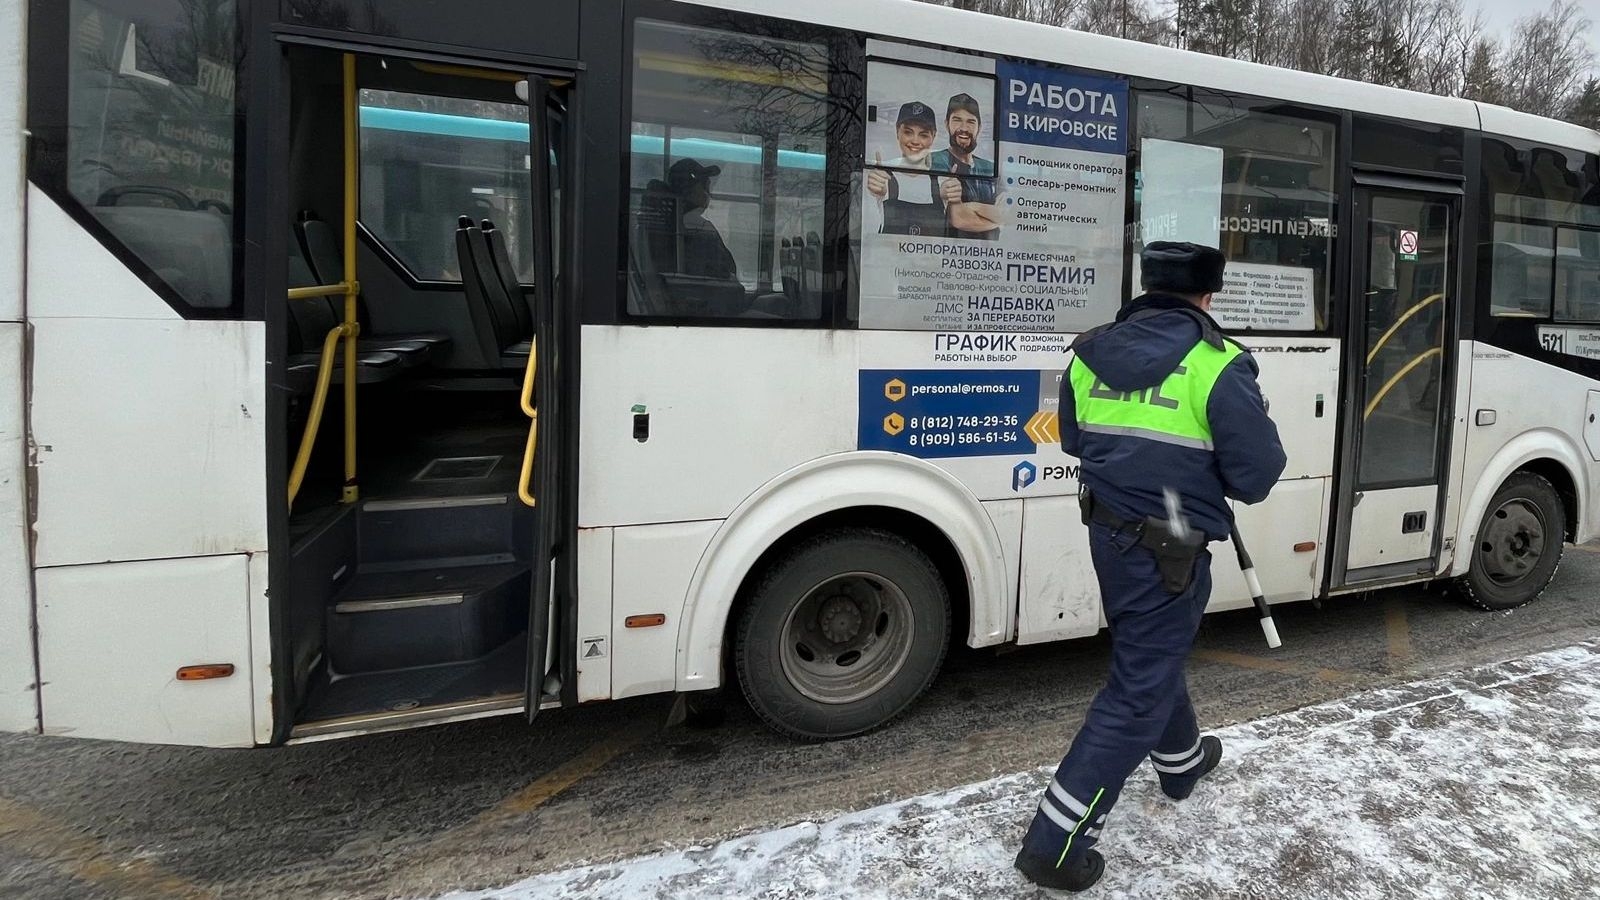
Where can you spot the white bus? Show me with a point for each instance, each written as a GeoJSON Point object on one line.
{"type": "Point", "coordinates": [374, 369]}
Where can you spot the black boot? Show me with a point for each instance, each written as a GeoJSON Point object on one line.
{"type": "Point", "coordinates": [1074, 875]}
{"type": "Point", "coordinates": [1178, 787]}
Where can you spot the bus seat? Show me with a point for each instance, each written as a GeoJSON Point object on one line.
{"type": "Point", "coordinates": [652, 250]}
{"type": "Point", "coordinates": [789, 266]}
{"type": "Point", "coordinates": [309, 324]}
{"type": "Point", "coordinates": [811, 263]}
{"type": "Point", "coordinates": [799, 298]}
{"type": "Point", "coordinates": [317, 240]}
{"type": "Point", "coordinates": [659, 245]}
{"type": "Point", "coordinates": [500, 255]}
{"type": "Point", "coordinates": [494, 311]}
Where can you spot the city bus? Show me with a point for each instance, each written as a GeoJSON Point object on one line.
{"type": "Point", "coordinates": [373, 366]}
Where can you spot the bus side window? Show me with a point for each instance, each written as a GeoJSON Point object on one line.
{"type": "Point", "coordinates": [727, 175]}
{"type": "Point", "coordinates": [1577, 275]}
{"type": "Point", "coordinates": [1255, 179]}
{"type": "Point", "coordinates": [1523, 267]}
{"type": "Point", "coordinates": [150, 148]}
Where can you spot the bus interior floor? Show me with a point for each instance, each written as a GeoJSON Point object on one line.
{"type": "Point", "coordinates": [478, 457]}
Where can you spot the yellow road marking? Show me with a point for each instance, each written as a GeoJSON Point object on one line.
{"type": "Point", "coordinates": [1267, 664]}
{"type": "Point", "coordinates": [75, 854]}
{"type": "Point", "coordinates": [1399, 630]}
{"type": "Point", "coordinates": [547, 786]}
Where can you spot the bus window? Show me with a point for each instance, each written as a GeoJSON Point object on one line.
{"type": "Point", "coordinates": [1522, 263]}
{"type": "Point", "coordinates": [727, 153]}
{"type": "Point", "coordinates": [1259, 185]}
{"type": "Point", "coordinates": [1577, 275]}
{"type": "Point", "coordinates": [150, 139]}
{"type": "Point", "coordinates": [425, 160]}
{"type": "Point", "coordinates": [1543, 260]}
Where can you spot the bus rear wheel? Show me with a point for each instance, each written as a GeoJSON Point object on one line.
{"type": "Point", "coordinates": [1519, 545]}
{"type": "Point", "coordinates": [841, 634]}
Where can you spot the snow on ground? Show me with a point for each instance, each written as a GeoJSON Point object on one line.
{"type": "Point", "coordinates": [1483, 783]}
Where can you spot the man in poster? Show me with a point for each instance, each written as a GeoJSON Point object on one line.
{"type": "Point", "coordinates": [963, 119]}
{"type": "Point", "coordinates": [969, 190]}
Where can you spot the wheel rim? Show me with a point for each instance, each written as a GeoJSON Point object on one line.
{"type": "Point", "coordinates": [1513, 542]}
{"type": "Point", "coordinates": [847, 638]}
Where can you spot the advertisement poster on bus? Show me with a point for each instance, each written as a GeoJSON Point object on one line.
{"type": "Point", "coordinates": [993, 197]}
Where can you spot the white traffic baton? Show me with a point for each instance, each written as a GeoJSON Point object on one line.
{"type": "Point", "coordinates": [1268, 627]}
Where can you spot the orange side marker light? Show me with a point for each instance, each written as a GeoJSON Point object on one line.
{"type": "Point", "coordinates": [205, 673]}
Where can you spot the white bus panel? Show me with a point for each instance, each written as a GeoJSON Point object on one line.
{"type": "Point", "coordinates": [112, 638]}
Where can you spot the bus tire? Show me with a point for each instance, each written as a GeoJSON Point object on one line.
{"type": "Point", "coordinates": [1519, 545]}
{"type": "Point", "coordinates": [841, 634]}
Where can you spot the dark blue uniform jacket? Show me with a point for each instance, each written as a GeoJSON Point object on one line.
{"type": "Point", "coordinates": [1128, 473]}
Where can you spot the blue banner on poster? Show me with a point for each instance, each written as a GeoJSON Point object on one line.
{"type": "Point", "coordinates": [1055, 108]}
{"type": "Point", "coordinates": [947, 412]}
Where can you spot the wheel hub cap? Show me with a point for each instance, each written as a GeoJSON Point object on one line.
{"type": "Point", "coordinates": [840, 619]}
{"type": "Point", "coordinates": [1513, 543]}
{"type": "Point", "coordinates": [847, 638]}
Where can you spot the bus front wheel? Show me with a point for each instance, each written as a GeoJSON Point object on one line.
{"type": "Point", "coordinates": [842, 633]}
{"type": "Point", "coordinates": [1519, 544]}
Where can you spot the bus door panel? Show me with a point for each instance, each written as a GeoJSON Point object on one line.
{"type": "Point", "coordinates": [19, 681]}
{"type": "Point", "coordinates": [1284, 534]}
{"type": "Point", "coordinates": [541, 399]}
{"type": "Point", "coordinates": [150, 651]}
{"type": "Point", "coordinates": [1398, 412]}
{"type": "Point", "coordinates": [1591, 425]}
{"type": "Point", "coordinates": [1060, 596]}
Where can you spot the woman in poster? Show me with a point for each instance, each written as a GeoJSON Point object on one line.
{"type": "Point", "coordinates": [911, 203]}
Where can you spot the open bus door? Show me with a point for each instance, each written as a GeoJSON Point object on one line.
{"type": "Point", "coordinates": [425, 591]}
{"type": "Point", "coordinates": [540, 484]}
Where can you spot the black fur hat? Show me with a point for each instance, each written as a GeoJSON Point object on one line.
{"type": "Point", "coordinates": [1181, 268]}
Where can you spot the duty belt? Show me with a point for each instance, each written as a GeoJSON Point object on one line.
{"type": "Point", "coordinates": [1174, 556]}
{"type": "Point", "coordinates": [1094, 511]}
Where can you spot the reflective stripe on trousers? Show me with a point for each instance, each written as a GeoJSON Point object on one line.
{"type": "Point", "coordinates": [1144, 708]}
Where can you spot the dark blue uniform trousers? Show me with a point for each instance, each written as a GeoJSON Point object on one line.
{"type": "Point", "coordinates": [1144, 708]}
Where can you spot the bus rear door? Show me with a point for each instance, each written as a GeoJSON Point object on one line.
{"type": "Point", "coordinates": [1398, 375]}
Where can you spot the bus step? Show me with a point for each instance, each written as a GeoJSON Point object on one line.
{"type": "Point", "coordinates": [401, 531]}
{"type": "Point", "coordinates": [399, 620]}
{"type": "Point", "coordinates": [340, 705]}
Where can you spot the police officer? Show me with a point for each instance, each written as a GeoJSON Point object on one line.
{"type": "Point", "coordinates": [1158, 399]}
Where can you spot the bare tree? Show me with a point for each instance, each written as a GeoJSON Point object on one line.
{"type": "Point", "coordinates": [1272, 33]}
{"type": "Point", "coordinates": [1046, 12]}
{"type": "Point", "coordinates": [1426, 45]}
{"type": "Point", "coordinates": [1312, 37]}
{"type": "Point", "coordinates": [1135, 20]}
{"type": "Point", "coordinates": [1547, 59]}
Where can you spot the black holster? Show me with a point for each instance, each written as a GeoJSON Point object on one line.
{"type": "Point", "coordinates": [1174, 557]}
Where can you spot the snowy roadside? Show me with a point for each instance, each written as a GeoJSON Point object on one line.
{"type": "Point", "coordinates": [1484, 782]}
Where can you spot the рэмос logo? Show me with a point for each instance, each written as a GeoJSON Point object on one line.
{"type": "Point", "coordinates": [1023, 474]}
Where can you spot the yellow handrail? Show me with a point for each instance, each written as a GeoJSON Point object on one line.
{"type": "Point", "coordinates": [1373, 353]}
{"type": "Point", "coordinates": [352, 196]}
{"type": "Point", "coordinates": [1395, 379]}
{"type": "Point", "coordinates": [528, 408]}
{"type": "Point", "coordinates": [350, 328]}
{"type": "Point", "coordinates": [319, 399]}
{"type": "Point", "coordinates": [321, 290]}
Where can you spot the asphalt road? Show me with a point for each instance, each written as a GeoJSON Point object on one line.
{"type": "Point", "coordinates": [484, 804]}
